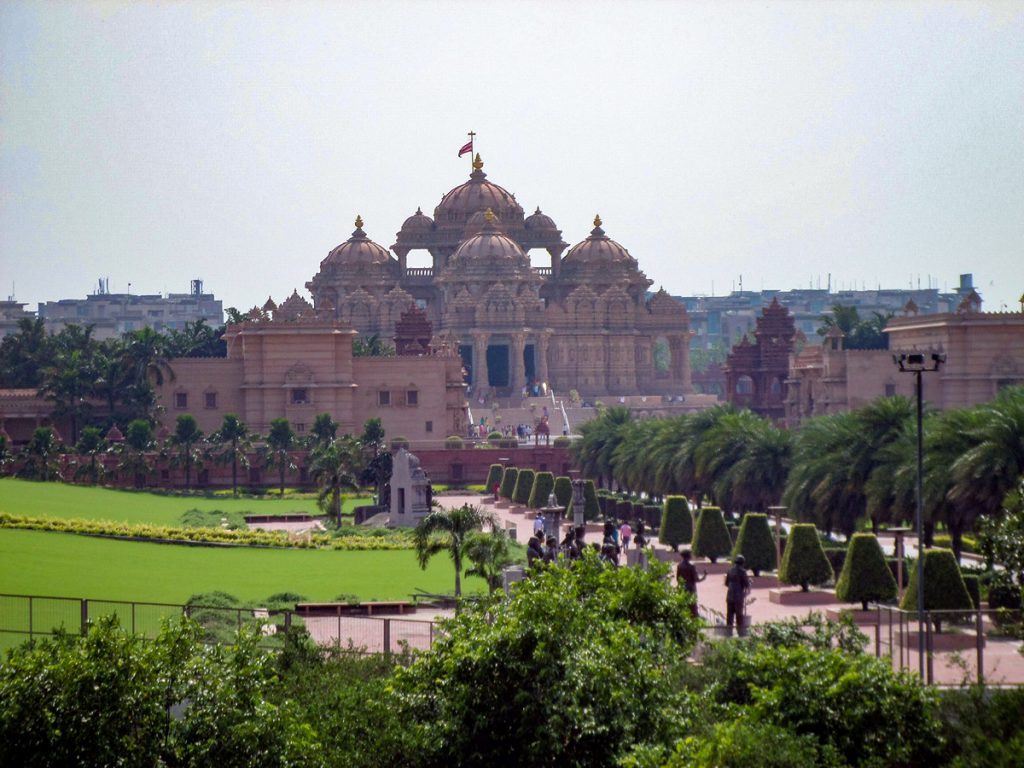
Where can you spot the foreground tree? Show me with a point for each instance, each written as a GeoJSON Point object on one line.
{"type": "Point", "coordinates": [39, 458]}
{"type": "Point", "coordinates": [91, 445]}
{"type": "Point", "coordinates": [490, 553]}
{"type": "Point", "coordinates": [448, 530]}
{"type": "Point", "coordinates": [578, 666]}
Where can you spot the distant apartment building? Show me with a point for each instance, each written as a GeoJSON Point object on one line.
{"type": "Point", "coordinates": [11, 313]}
{"type": "Point", "coordinates": [725, 320]}
{"type": "Point", "coordinates": [112, 314]}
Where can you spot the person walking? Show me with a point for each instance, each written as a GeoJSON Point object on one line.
{"type": "Point", "coordinates": [737, 584]}
{"type": "Point", "coordinates": [687, 578]}
{"type": "Point", "coordinates": [625, 535]}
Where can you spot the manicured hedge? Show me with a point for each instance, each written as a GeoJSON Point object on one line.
{"type": "Point", "coordinates": [524, 484]}
{"type": "Point", "coordinates": [561, 442]}
{"type": "Point", "coordinates": [710, 536]}
{"type": "Point", "coordinates": [508, 482]}
{"type": "Point", "coordinates": [624, 510]}
{"type": "Point", "coordinates": [836, 556]}
{"type": "Point", "coordinates": [944, 588]}
{"type": "Point", "coordinates": [973, 584]}
{"type": "Point", "coordinates": [453, 442]}
{"type": "Point", "coordinates": [865, 576]}
{"type": "Point", "coordinates": [399, 442]}
{"type": "Point", "coordinates": [804, 560]}
{"type": "Point", "coordinates": [676, 522]}
{"type": "Point", "coordinates": [563, 490]}
{"type": "Point", "coordinates": [756, 543]}
{"type": "Point", "coordinates": [591, 508]}
{"type": "Point", "coordinates": [543, 485]}
{"type": "Point", "coordinates": [493, 476]}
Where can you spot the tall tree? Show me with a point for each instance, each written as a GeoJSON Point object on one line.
{"type": "Point", "coordinates": [333, 468]}
{"type": "Point", "coordinates": [448, 530]}
{"type": "Point", "coordinates": [138, 441]}
{"type": "Point", "coordinates": [233, 441]}
{"type": "Point", "coordinates": [187, 438]}
{"type": "Point", "coordinates": [490, 553]}
{"type": "Point", "coordinates": [69, 377]}
{"type": "Point", "coordinates": [40, 456]}
{"type": "Point", "coordinates": [24, 355]}
{"type": "Point", "coordinates": [323, 431]}
{"type": "Point", "coordinates": [377, 461]}
{"type": "Point", "coordinates": [91, 445]}
{"type": "Point", "coordinates": [148, 362]}
{"type": "Point", "coordinates": [280, 441]}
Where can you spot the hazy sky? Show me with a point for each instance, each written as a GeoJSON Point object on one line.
{"type": "Point", "coordinates": [156, 142]}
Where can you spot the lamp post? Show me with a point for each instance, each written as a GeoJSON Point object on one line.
{"type": "Point", "coordinates": [917, 364]}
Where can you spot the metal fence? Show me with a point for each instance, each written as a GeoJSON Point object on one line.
{"type": "Point", "coordinates": [26, 617]}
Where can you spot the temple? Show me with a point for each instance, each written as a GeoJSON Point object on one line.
{"type": "Point", "coordinates": [586, 322]}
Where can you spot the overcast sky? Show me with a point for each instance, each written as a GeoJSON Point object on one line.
{"type": "Point", "coordinates": [156, 142]}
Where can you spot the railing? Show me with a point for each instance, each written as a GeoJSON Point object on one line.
{"type": "Point", "coordinates": [419, 272]}
{"type": "Point", "coordinates": [27, 617]}
{"type": "Point", "coordinates": [543, 271]}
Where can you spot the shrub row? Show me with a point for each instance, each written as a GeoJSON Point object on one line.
{"type": "Point", "coordinates": [199, 535]}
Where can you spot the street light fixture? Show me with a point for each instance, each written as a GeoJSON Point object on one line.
{"type": "Point", "coordinates": [918, 363]}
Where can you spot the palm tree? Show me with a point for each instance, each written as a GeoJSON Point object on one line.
{"type": "Point", "coordinates": [682, 463]}
{"type": "Point", "coordinates": [233, 440]}
{"type": "Point", "coordinates": [148, 362]}
{"type": "Point", "coordinates": [280, 440]}
{"type": "Point", "coordinates": [489, 553]}
{"type": "Point", "coordinates": [758, 456]}
{"type": "Point", "coordinates": [447, 530]}
{"type": "Point", "coordinates": [333, 469]}
{"type": "Point", "coordinates": [376, 461]}
{"type": "Point", "coordinates": [24, 354]}
{"type": "Point", "coordinates": [187, 435]}
{"type": "Point", "coordinates": [91, 444]}
{"type": "Point", "coordinates": [599, 439]}
{"type": "Point", "coordinates": [40, 455]}
{"type": "Point", "coordinates": [138, 439]}
{"type": "Point", "coordinates": [993, 467]}
{"type": "Point", "coordinates": [323, 431]}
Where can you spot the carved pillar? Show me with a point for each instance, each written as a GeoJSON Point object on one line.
{"type": "Point", "coordinates": [515, 364]}
{"type": "Point", "coordinates": [402, 254]}
{"type": "Point", "coordinates": [684, 361]}
{"type": "Point", "coordinates": [542, 356]}
{"type": "Point", "coordinates": [480, 340]}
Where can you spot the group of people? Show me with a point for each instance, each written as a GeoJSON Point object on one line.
{"type": "Point", "coordinates": [737, 584]}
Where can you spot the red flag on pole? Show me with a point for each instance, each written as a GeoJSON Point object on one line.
{"type": "Point", "coordinates": [467, 147]}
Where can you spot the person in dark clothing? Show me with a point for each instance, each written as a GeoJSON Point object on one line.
{"type": "Point", "coordinates": [534, 552]}
{"type": "Point", "coordinates": [687, 578]}
{"type": "Point", "coordinates": [551, 551]}
{"type": "Point", "coordinates": [737, 588]}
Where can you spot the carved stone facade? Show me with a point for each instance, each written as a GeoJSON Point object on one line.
{"type": "Point", "coordinates": [583, 323]}
{"type": "Point", "coordinates": [756, 372]}
{"type": "Point", "coordinates": [984, 353]}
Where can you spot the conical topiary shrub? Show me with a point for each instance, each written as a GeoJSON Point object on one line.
{"type": "Point", "coordinates": [524, 484]}
{"type": "Point", "coordinates": [944, 588]}
{"type": "Point", "coordinates": [804, 560]}
{"type": "Point", "coordinates": [508, 482]}
{"type": "Point", "coordinates": [543, 485]}
{"type": "Point", "coordinates": [756, 543]}
{"type": "Point", "coordinates": [563, 490]}
{"type": "Point", "coordinates": [710, 536]}
{"type": "Point", "coordinates": [676, 522]}
{"type": "Point", "coordinates": [493, 476]}
{"type": "Point", "coordinates": [866, 575]}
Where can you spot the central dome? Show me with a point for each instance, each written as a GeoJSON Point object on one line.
{"type": "Point", "coordinates": [474, 196]}
{"type": "Point", "coordinates": [488, 254]}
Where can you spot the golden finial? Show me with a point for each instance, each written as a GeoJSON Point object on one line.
{"type": "Point", "coordinates": [489, 216]}
{"type": "Point", "coordinates": [477, 162]}
{"type": "Point", "coordinates": [597, 220]}
{"type": "Point", "coordinates": [359, 221]}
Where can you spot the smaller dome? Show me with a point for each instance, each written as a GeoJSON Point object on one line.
{"type": "Point", "coordinates": [489, 247]}
{"type": "Point", "coordinates": [597, 249]}
{"type": "Point", "coordinates": [538, 220]}
{"type": "Point", "coordinates": [358, 250]}
{"type": "Point", "coordinates": [418, 222]}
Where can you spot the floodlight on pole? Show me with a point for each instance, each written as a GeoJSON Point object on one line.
{"type": "Point", "coordinates": [918, 363]}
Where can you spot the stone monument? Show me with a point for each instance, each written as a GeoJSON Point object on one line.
{"type": "Point", "coordinates": [410, 490]}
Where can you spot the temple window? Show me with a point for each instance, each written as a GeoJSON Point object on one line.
{"type": "Point", "coordinates": [383, 398]}
{"type": "Point", "coordinates": [210, 399]}
{"type": "Point", "coordinates": [428, 427]}
{"type": "Point", "coordinates": [299, 397]}
{"type": "Point", "coordinates": [412, 397]}
{"type": "Point", "coordinates": [181, 400]}
{"type": "Point", "coordinates": [890, 390]}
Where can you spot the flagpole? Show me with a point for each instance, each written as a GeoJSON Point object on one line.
{"type": "Point", "coordinates": [472, 149]}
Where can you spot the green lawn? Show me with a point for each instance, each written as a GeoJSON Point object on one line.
{"type": "Point", "coordinates": [68, 565]}
{"type": "Point", "coordinates": [23, 497]}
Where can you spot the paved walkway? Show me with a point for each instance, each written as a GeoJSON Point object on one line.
{"type": "Point", "coordinates": [1001, 658]}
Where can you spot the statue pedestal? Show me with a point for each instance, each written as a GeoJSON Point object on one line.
{"type": "Point", "coordinates": [553, 521]}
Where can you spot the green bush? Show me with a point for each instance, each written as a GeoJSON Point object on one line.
{"type": "Point", "coordinates": [561, 442]}
{"type": "Point", "coordinates": [804, 560]}
{"type": "Point", "coordinates": [493, 477]}
{"type": "Point", "coordinates": [623, 510]}
{"type": "Point", "coordinates": [543, 485]}
{"type": "Point", "coordinates": [508, 482]}
{"type": "Point", "coordinates": [495, 435]}
{"type": "Point", "coordinates": [1003, 593]}
{"type": "Point", "coordinates": [524, 484]}
{"type": "Point", "coordinates": [944, 588]}
{"type": "Point", "coordinates": [399, 442]}
{"type": "Point", "coordinates": [866, 576]}
{"type": "Point", "coordinates": [453, 442]}
{"type": "Point", "coordinates": [746, 743]}
{"type": "Point", "coordinates": [973, 583]}
{"type": "Point", "coordinates": [676, 522]}
{"type": "Point", "coordinates": [710, 536]}
{"type": "Point", "coordinates": [563, 490]}
{"type": "Point", "coordinates": [756, 543]}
